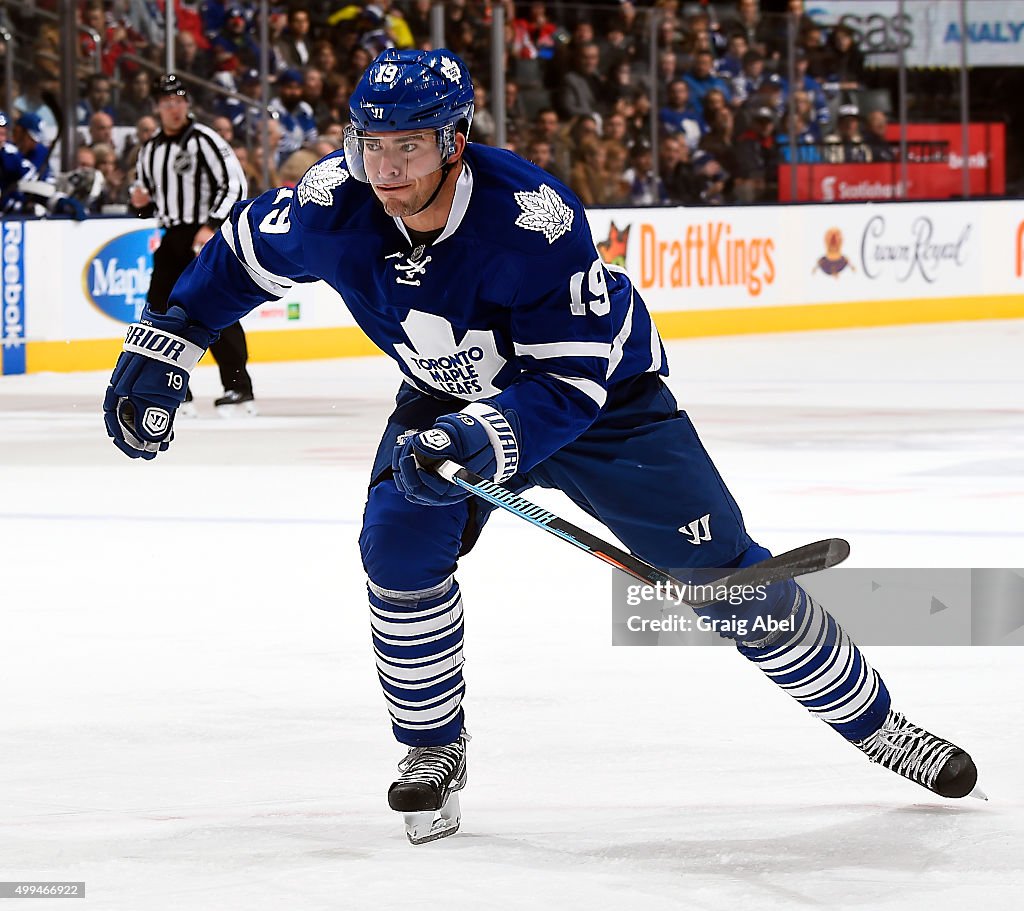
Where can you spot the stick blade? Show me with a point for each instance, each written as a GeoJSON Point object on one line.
{"type": "Point", "coordinates": [838, 551]}
{"type": "Point", "coordinates": [809, 558]}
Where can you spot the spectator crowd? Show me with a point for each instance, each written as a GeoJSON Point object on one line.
{"type": "Point", "coordinates": [721, 107]}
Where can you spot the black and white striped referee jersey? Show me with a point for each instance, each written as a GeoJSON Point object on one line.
{"type": "Point", "coordinates": [193, 178]}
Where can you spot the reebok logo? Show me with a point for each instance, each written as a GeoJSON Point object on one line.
{"type": "Point", "coordinates": [698, 530]}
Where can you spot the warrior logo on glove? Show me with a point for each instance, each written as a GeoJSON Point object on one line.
{"type": "Point", "coordinates": [156, 421]}
{"type": "Point", "coordinates": [435, 439]}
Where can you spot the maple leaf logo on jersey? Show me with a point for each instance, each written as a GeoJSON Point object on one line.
{"type": "Point", "coordinates": [320, 182]}
{"type": "Point", "coordinates": [544, 211]}
{"type": "Point", "coordinates": [465, 369]}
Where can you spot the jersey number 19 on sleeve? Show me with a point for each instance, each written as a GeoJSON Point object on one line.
{"type": "Point", "coordinates": [600, 304]}
{"type": "Point", "coordinates": [276, 220]}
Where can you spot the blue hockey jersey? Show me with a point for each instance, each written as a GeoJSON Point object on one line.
{"type": "Point", "coordinates": [511, 304]}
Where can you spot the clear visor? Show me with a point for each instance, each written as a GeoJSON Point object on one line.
{"type": "Point", "coordinates": [390, 159]}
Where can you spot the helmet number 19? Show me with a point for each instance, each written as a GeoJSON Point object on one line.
{"type": "Point", "coordinates": [386, 73]}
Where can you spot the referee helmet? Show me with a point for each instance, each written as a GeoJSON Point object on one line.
{"type": "Point", "coordinates": [170, 84]}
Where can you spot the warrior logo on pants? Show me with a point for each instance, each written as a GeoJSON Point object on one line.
{"type": "Point", "coordinates": [698, 530]}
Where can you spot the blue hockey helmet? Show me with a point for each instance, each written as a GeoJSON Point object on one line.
{"type": "Point", "coordinates": [410, 90]}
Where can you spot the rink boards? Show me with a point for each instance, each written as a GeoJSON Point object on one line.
{"type": "Point", "coordinates": [69, 288]}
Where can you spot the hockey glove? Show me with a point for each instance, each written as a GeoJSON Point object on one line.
{"type": "Point", "coordinates": [68, 205]}
{"type": "Point", "coordinates": [479, 438]}
{"type": "Point", "coordinates": [150, 380]}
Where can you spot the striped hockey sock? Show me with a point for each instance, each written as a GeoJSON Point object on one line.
{"type": "Point", "coordinates": [821, 667]}
{"type": "Point", "coordinates": [417, 640]}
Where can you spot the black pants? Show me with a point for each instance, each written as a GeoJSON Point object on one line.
{"type": "Point", "coordinates": [169, 261]}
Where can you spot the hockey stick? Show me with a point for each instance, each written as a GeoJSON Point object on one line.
{"type": "Point", "coordinates": [810, 558]}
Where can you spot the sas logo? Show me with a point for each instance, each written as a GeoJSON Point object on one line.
{"type": "Point", "coordinates": [833, 262]}
{"type": "Point", "coordinates": [116, 276]}
{"type": "Point", "coordinates": [613, 250]}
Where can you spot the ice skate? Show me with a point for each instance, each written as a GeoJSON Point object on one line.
{"type": "Point", "coordinates": [936, 764]}
{"type": "Point", "coordinates": [427, 790]}
{"type": "Point", "coordinates": [236, 404]}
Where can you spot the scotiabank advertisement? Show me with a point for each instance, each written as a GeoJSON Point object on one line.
{"type": "Point", "coordinates": [921, 179]}
{"type": "Point", "coordinates": [711, 258]}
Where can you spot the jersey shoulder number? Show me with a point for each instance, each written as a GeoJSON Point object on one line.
{"type": "Point", "coordinates": [278, 218]}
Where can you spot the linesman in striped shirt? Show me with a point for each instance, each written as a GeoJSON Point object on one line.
{"type": "Point", "coordinates": [189, 177]}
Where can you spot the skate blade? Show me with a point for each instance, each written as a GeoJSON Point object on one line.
{"type": "Point", "coordinates": [245, 410]}
{"type": "Point", "coordinates": [430, 825]}
{"type": "Point", "coordinates": [978, 794]}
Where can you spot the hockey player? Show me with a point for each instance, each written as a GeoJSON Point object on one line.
{"type": "Point", "coordinates": [526, 359]}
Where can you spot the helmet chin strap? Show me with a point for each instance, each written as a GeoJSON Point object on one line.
{"type": "Point", "coordinates": [446, 169]}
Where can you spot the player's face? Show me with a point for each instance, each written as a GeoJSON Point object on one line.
{"type": "Point", "coordinates": [403, 169]}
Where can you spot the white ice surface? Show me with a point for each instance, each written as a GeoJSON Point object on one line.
{"type": "Point", "coordinates": [190, 719]}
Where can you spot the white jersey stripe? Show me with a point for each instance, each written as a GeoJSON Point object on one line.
{"type": "Point", "coordinates": [620, 340]}
{"type": "Point", "coordinates": [249, 258]}
{"type": "Point", "coordinates": [656, 357]}
{"type": "Point", "coordinates": [588, 387]}
{"type": "Point", "coordinates": [564, 349]}
{"type": "Point", "coordinates": [271, 288]}
{"type": "Point", "coordinates": [228, 233]}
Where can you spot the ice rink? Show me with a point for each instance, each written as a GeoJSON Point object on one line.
{"type": "Point", "coordinates": [190, 717]}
